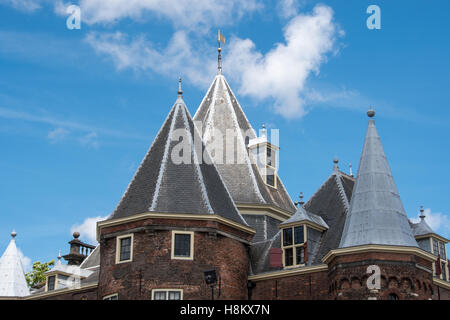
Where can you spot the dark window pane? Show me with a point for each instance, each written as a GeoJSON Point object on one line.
{"type": "Point", "coordinates": [288, 257]}
{"type": "Point", "coordinates": [269, 157]}
{"type": "Point", "coordinates": [442, 250]}
{"type": "Point", "coordinates": [159, 295]}
{"type": "Point", "coordinates": [174, 295]}
{"type": "Point", "coordinates": [298, 234]}
{"type": "Point", "coordinates": [300, 255]}
{"type": "Point", "coordinates": [287, 237]}
{"type": "Point", "coordinates": [435, 247]}
{"type": "Point", "coordinates": [444, 271]}
{"type": "Point", "coordinates": [51, 283]}
{"type": "Point", "coordinates": [125, 249]}
{"type": "Point", "coordinates": [393, 296]}
{"type": "Point", "coordinates": [270, 176]}
{"type": "Point", "coordinates": [182, 245]}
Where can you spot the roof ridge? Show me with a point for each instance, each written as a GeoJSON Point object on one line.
{"type": "Point", "coordinates": [206, 95]}
{"type": "Point", "coordinates": [141, 164]}
{"type": "Point", "coordinates": [237, 102]}
{"type": "Point", "coordinates": [211, 111]}
{"type": "Point", "coordinates": [318, 190]}
{"type": "Point", "coordinates": [197, 167]}
{"type": "Point", "coordinates": [164, 159]}
{"type": "Point", "coordinates": [241, 139]}
{"type": "Point", "coordinates": [337, 176]}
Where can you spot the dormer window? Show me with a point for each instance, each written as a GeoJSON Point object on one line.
{"type": "Point", "coordinates": [51, 283]}
{"type": "Point", "coordinates": [293, 240]}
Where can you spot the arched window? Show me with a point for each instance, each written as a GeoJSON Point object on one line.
{"type": "Point", "coordinates": [393, 296]}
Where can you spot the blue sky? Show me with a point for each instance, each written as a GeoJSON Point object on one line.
{"type": "Point", "coordinates": [79, 108]}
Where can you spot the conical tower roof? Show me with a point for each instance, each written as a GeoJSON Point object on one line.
{"type": "Point", "coordinates": [177, 174]}
{"type": "Point", "coordinates": [376, 214]}
{"type": "Point", "coordinates": [220, 116]}
{"type": "Point", "coordinates": [12, 277]}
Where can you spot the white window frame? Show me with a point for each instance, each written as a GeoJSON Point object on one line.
{"type": "Point", "coordinates": [110, 296]}
{"type": "Point", "coordinates": [172, 254]}
{"type": "Point", "coordinates": [167, 293]}
{"type": "Point", "coordinates": [56, 282]}
{"type": "Point", "coordinates": [293, 246]}
{"type": "Point", "coordinates": [118, 241]}
{"type": "Point", "coordinates": [272, 167]}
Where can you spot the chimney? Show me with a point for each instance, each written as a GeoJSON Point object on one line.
{"type": "Point", "coordinates": [78, 250]}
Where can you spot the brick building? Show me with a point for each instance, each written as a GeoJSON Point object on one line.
{"type": "Point", "coordinates": [204, 216]}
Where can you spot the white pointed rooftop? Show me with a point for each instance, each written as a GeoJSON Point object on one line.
{"type": "Point", "coordinates": [376, 214]}
{"type": "Point", "coordinates": [12, 277]}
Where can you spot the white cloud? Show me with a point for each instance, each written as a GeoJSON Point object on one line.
{"type": "Point", "coordinates": [57, 135]}
{"type": "Point", "coordinates": [23, 5]}
{"type": "Point", "coordinates": [26, 262]}
{"type": "Point", "coordinates": [288, 8]}
{"type": "Point", "coordinates": [88, 229]}
{"type": "Point", "coordinates": [188, 14]}
{"type": "Point", "coordinates": [281, 73]}
{"type": "Point", "coordinates": [438, 221]}
{"type": "Point", "coordinates": [178, 58]}
{"type": "Point", "coordinates": [90, 140]}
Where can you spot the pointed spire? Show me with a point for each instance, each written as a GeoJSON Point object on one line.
{"type": "Point", "coordinates": [12, 277]}
{"type": "Point", "coordinates": [180, 91]}
{"type": "Point", "coordinates": [183, 182]}
{"type": "Point", "coordinates": [376, 214]}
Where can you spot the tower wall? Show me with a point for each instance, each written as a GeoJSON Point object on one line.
{"type": "Point", "coordinates": [153, 268]}
{"type": "Point", "coordinates": [406, 275]}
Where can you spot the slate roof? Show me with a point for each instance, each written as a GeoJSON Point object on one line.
{"type": "Point", "coordinates": [421, 228]}
{"type": "Point", "coordinates": [220, 111]}
{"type": "Point", "coordinates": [330, 202]}
{"type": "Point", "coordinates": [12, 277]}
{"type": "Point", "coordinates": [193, 186]}
{"type": "Point", "coordinates": [376, 214]}
{"type": "Point", "coordinates": [92, 260]}
{"type": "Point", "coordinates": [329, 205]}
{"type": "Point", "coordinates": [303, 215]}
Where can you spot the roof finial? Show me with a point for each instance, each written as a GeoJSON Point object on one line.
{"type": "Point", "coordinates": [13, 234]}
{"type": "Point", "coordinates": [59, 255]}
{"type": "Point", "coordinates": [220, 39]}
{"type": "Point", "coordinates": [263, 131]}
{"type": "Point", "coordinates": [351, 170]}
{"type": "Point", "coordinates": [335, 161]}
{"type": "Point", "coordinates": [180, 91]}
{"type": "Point", "coordinates": [371, 112]}
{"type": "Point", "coordinates": [422, 214]}
{"type": "Point", "coordinates": [301, 199]}
{"type": "Point", "coordinates": [301, 202]}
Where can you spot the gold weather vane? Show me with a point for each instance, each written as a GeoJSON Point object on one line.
{"type": "Point", "coordinates": [220, 39]}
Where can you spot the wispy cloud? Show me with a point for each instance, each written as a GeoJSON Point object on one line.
{"type": "Point", "coordinates": [26, 261]}
{"type": "Point", "coordinates": [64, 126]}
{"type": "Point", "coordinates": [90, 140]}
{"type": "Point", "coordinates": [57, 135]}
{"type": "Point", "coordinates": [23, 5]}
{"type": "Point", "coordinates": [199, 15]}
{"type": "Point", "coordinates": [88, 228]}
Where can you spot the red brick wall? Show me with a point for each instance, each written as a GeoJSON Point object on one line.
{"type": "Point", "coordinates": [152, 267]}
{"type": "Point", "coordinates": [399, 275]}
{"type": "Point", "coordinates": [305, 287]}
